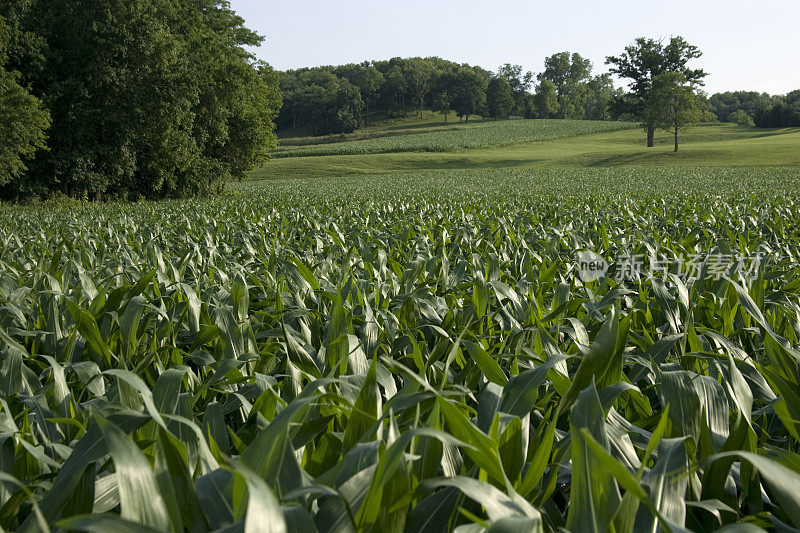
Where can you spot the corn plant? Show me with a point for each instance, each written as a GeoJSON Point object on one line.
{"type": "Point", "coordinates": [405, 353]}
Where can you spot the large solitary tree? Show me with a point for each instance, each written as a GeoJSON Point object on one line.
{"type": "Point", "coordinates": [640, 63]}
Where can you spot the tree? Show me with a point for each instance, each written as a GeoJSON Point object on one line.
{"type": "Point", "coordinates": [444, 89]}
{"type": "Point", "coordinates": [520, 85]}
{"type": "Point", "coordinates": [499, 99]}
{"type": "Point", "coordinates": [546, 99]}
{"type": "Point", "coordinates": [565, 69]}
{"type": "Point", "coordinates": [780, 115]}
{"type": "Point", "coordinates": [641, 62]}
{"type": "Point", "coordinates": [419, 74]}
{"type": "Point", "coordinates": [723, 104]}
{"type": "Point", "coordinates": [600, 94]}
{"type": "Point", "coordinates": [672, 103]}
{"type": "Point", "coordinates": [569, 73]}
{"type": "Point", "coordinates": [741, 118]}
{"type": "Point", "coordinates": [148, 98]}
{"type": "Point", "coordinates": [23, 120]}
{"type": "Point", "coordinates": [469, 96]}
{"type": "Point", "coordinates": [368, 80]}
{"type": "Point", "coordinates": [325, 103]}
{"type": "Point", "coordinates": [394, 89]}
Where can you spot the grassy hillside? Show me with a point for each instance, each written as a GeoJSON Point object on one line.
{"type": "Point", "coordinates": [717, 145]}
{"type": "Point", "coordinates": [383, 126]}
{"type": "Point", "coordinates": [468, 136]}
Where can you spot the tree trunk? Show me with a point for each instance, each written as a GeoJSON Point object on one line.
{"type": "Point", "coordinates": [676, 138]}
{"type": "Point", "coordinates": [651, 132]}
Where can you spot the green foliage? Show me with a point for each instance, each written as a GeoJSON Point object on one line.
{"type": "Point", "coordinates": [148, 98]}
{"type": "Point", "coordinates": [741, 118]}
{"type": "Point", "coordinates": [322, 102]}
{"type": "Point", "coordinates": [546, 99]}
{"type": "Point", "coordinates": [724, 104]}
{"type": "Point", "coordinates": [391, 87]}
{"type": "Point", "coordinates": [671, 104]}
{"type": "Point", "coordinates": [641, 63]}
{"type": "Point", "coordinates": [23, 120]}
{"type": "Point", "coordinates": [408, 352]}
{"type": "Point", "coordinates": [780, 115]}
{"type": "Point", "coordinates": [368, 79]}
{"type": "Point", "coordinates": [499, 99]}
{"type": "Point", "coordinates": [469, 94]}
{"type": "Point", "coordinates": [419, 77]}
{"type": "Point", "coordinates": [520, 88]}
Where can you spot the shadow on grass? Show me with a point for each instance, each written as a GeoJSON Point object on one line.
{"type": "Point", "coordinates": [460, 163]}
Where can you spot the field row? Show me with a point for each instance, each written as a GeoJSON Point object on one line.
{"type": "Point", "coordinates": [408, 352]}
{"type": "Point", "coordinates": [482, 135]}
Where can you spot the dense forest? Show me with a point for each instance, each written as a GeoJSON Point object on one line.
{"type": "Point", "coordinates": [142, 98]}
{"type": "Point", "coordinates": [759, 109]}
{"type": "Point", "coordinates": [339, 99]}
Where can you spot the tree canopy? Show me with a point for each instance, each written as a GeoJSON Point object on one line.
{"type": "Point", "coordinates": [399, 84]}
{"type": "Point", "coordinates": [641, 63]}
{"type": "Point", "coordinates": [23, 119]}
{"type": "Point", "coordinates": [499, 99]}
{"type": "Point", "coordinates": [148, 98]}
{"type": "Point", "coordinates": [672, 104]}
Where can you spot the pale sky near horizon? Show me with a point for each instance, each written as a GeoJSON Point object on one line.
{"type": "Point", "coordinates": [746, 45]}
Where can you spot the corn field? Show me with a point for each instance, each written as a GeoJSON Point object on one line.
{"type": "Point", "coordinates": [406, 352]}
{"type": "Point", "coordinates": [480, 135]}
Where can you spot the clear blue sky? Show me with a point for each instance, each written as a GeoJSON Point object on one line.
{"type": "Point", "coordinates": [747, 44]}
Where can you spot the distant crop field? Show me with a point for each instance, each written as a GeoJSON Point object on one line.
{"type": "Point", "coordinates": [482, 135]}
{"type": "Point", "coordinates": [411, 351]}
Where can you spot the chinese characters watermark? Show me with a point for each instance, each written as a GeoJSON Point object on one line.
{"type": "Point", "coordinates": [634, 267]}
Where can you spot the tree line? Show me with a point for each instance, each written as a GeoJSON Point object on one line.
{"type": "Point", "coordinates": [750, 108]}
{"type": "Point", "coordinates": [142, 98]}
{"type": "Point", "coordinates": [104, 99]}
{"type": "Point", "coordinates": [340, 99]}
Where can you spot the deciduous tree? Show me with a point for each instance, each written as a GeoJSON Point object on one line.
{"type": "Point", "coordinates": [672, 103]}
{"type": "Point", "coordinates": [148, 98]}
{"type": "Point", "coordinates": [419, 75]}
{"type": "Point", "coordinates": [23, 120]}
{"type": "Point", "coordinates": [741, 118]}
{"type": "Point", "coordinates": [499, 100]}
{"type": "Point", "coordinates": [546, 99]}
{"type": "Point", "coordinates": [641, 62]}
{"type": "Point", "coordinates": [469, 97]}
